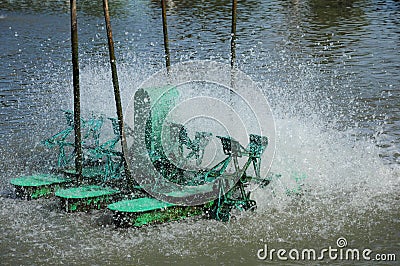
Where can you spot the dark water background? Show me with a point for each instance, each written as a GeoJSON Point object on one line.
{"type": "Point", "coordinates": [330, 70]}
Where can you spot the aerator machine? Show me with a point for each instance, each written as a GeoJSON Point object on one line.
{"type": "Point", "coordinates": [157, 196]}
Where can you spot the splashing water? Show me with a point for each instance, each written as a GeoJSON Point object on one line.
{"type": "Point", "coordinates": [347, 190]}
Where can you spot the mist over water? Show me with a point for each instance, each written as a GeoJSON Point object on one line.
{"type": "Point", "coordinates": [333, 86]}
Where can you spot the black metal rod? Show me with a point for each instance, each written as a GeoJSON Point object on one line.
{"type": "Point", "coordinates": [233, 33]}
{"type": "Point", "coordinates": [77, 104]}
{"type": "Point", "coordinates": [165, 31]}
{"type": "Point", "coordinates": [117, 93]}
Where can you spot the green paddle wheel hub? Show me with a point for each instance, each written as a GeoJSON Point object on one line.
{"type": "Point", "coordinates": [145, 211]}
{"type": "Point", "coordinates": [37, 186]}
{"type": "Point", "coordinates": [87, 197]}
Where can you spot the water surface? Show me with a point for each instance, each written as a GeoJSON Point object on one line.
{"type": "Point", "coordinates": [330, 70]}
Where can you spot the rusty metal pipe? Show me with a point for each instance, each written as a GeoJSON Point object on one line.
{"type": "Point", "coordinates": [117, 94]}
{"type": "Point", "coordinates": [233, 33]}
{"type": "Point", "coordinates": [77, 104]}
{"type": "Point", "coordinates": [165, 31]}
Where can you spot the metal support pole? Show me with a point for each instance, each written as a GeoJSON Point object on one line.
{"type": "Point", "coordinates": [233, 33]}
{"type": "Point", "coordinates": [77, 107]}
{"type": "Point", "coordinates": [165, 31]}
{"type": "Point", "coordinates": [117, 94]}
